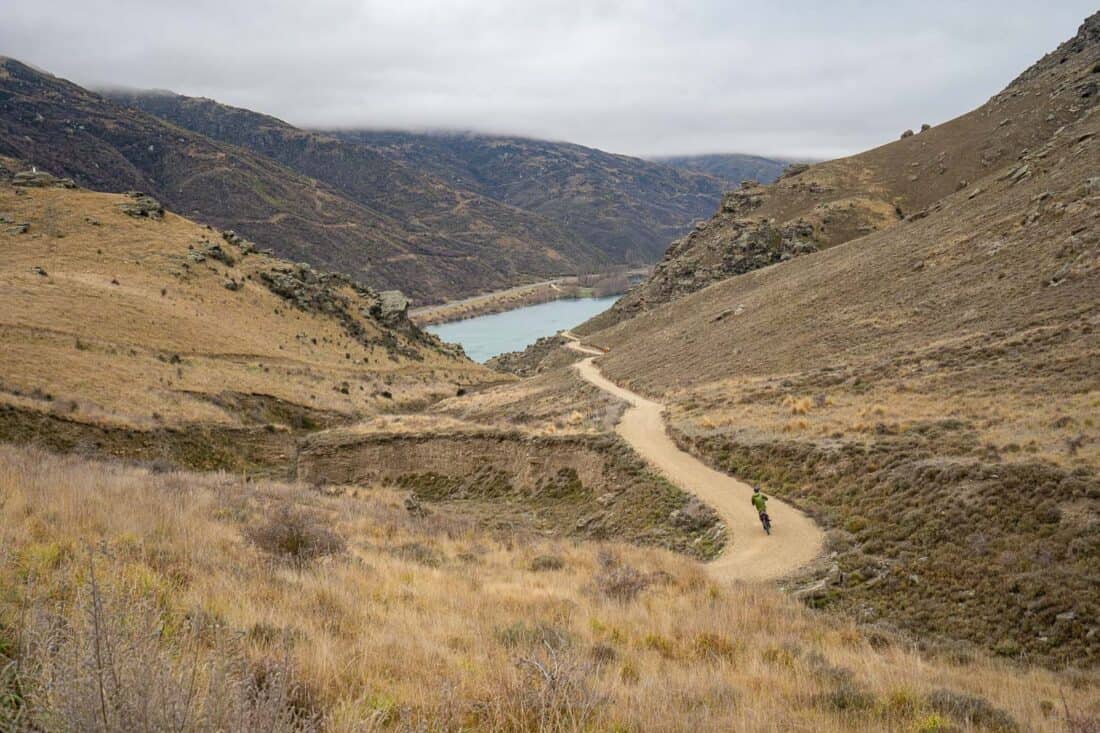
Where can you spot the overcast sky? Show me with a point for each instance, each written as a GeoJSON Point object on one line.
{"type": "Point", "coordinates": [815, 79]}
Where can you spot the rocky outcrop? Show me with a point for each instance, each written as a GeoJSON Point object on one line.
{"type": "Point", "coordinates": [143, 206]}
{"type": "Point", "coordinates": [40, 179]}
{"type": "Point", "coordinates": [392, 307]}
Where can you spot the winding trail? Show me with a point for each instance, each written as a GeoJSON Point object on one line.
{"type": "Point", "coordinates": [750, 554]}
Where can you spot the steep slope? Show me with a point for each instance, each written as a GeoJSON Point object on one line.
{"type": "Point", "coordinates": [56, 125]}
{"type": "Point", "coordinates": [928, 391]}
{"type": "Point", "coordinates": [730, 168]}
{"type": "Point", "coordinates": [150, 322]}
{"type": "Point", "coordinates": [500, 232]}
{"type": "Point", "coordinates": [627, 207]}
{"type": "Point", "coordinates": [826, 204]}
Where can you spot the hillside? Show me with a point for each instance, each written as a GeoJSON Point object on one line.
{"type": "Point", "coordinates": [273, 606]}
{"type": "Point", "coordinates": [830, 203]}
{"type": "Point", "coordinates": [522, 244]}
{"type": "Point", "coordinates": [166, 338]}
{"type": "Point", "coordinates": [927, 391]}
{"type": "Point", "coordinates": [627, 207]}
{"type": "Point", "coordinates": [377, 223]}
{"type": "Point", "coordinates": [730, 168]}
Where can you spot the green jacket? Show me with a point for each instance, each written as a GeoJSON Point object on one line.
{"type": "Point", "coordinates": [760, 502]}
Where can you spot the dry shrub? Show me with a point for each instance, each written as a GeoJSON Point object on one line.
{"type": "Point", "coordinates": [418, 553]}
{"type": "Point", "coordinates": [972, 710]}
{"type": "Point", "coordinates": [113, 664]}
{"type": "Point", "coordinates": [715, 647]}
{"type": "Point", "coordinates": [546, 562]}
{"type": "Point", "coordinates": [519, 634]}
{"type": "Point", "coordinates": [618, 581]}
{"type": "Point", "coordinates": [295, 535]}
{"type": "Point", "coordinates": [552, 693]}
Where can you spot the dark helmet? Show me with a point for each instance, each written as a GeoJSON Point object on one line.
{"type": "Point", "coordinates": [756, 489]}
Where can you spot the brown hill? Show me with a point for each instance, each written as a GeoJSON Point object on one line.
{"type": "Point", "coordinates": [381, 225]}
{"type": "Point", "coordinates": [627, 207]}
{"type": "Point", "coordinates": [506, 241]}
{"type": "Point", "coordinates": [826, 204]}
{"type": "Point", "coordinates": [929, 390]}
{"type": "Point", "coordinates": [152, 325]}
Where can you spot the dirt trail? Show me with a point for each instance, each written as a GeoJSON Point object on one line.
{"type": "Point", "coordinates": [750, 554]}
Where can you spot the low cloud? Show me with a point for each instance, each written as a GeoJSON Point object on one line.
{"type": "Point", "coordinates": [647, 78]}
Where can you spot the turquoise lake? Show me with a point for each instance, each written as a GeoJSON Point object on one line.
{"type": "Point", "coordinates": [487, 336]}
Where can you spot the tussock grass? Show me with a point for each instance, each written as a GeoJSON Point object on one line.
{"type": "Point", "coordinates": [370, 638]}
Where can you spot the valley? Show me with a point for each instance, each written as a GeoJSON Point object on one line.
{"type": "Point", "coordinates": [362, 430]}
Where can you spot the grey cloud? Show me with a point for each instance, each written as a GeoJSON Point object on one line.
{"type": "Point", "coordinates": [785, 78]}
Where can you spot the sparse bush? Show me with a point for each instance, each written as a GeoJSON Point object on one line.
{"type": "Point", "coordinates": [418, 553]}
{"type": "Point", "coordinates": [714, 647]}
{"type": "Point", "coordinates": [519, 634]}
{"type": "Point", "coordinates": [972, 710]}
{"type": "Point", "coordinates": [846, 697]}
{"type": "Point", "coordinates": [295, 535]}
{"type": "Point", "coordinates": [546, 562]}
{"type": "Point", "coordinates": [618, 581]}
{"type": "Point", "coordinates": [552, 693]}
{"type": "Point", "coordinates": [113, 665]}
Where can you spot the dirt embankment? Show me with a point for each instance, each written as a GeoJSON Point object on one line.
{"type": "Point", "coordinates": [582, 486]}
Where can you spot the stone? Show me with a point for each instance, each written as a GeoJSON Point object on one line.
{"type": "Point", "coordinates": [907, 133]}
{"type": "Point", "coordinates": [19, 229]}
{"type": "Point", "coordinates": [925, 126]}
{"type": "Point", "coordinates": [231, 285]}
{"type": "Point", "coordinates": [33, 179]}
{"type": "Point", "coordinates": [39, 271]}
{"type": "Point", "coordinates": [1067, 616]}
{"type": "Point", "coordinates": [392, 305]}
{"type": "Point", "coordinates": [143, 206]}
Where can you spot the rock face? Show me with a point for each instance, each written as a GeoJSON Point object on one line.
{"type": "Point", "coordinates": [393, 306]}
{"type": "Point", "coordinates": [40, 179]}
{"type": "Point", "coordinates": [143, 206]}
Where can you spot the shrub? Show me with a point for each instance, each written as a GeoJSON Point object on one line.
{"type": "Point", "coordinates": [519, 634]}
{"type": "Point", "coordinates": [546, 562]}
{"type": "Point", "coordinates": [112, 665]}
{"type": "Point", "coordinates": [714, 647]}
{"type": "Point", "coordinates": [618, 581]}
{"type": "Point", "coordinates": [295, 535]}
{"type": "Point", "coordinates": [846, 697]}
{"type": "Point", "coordinates": [972, 710]}
{"type": "Point", "coordinates": [418, 553]}
{"type": "Point", "coordinates": [551, 693]}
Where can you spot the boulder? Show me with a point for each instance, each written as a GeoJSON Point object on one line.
{"type": "Point", "coordinates": [142, 206]}
{"type": "Point", "coordinates": [925, 126]}
{"type": "Point", "coordinates": [907, 133]}
{"type": "Point", "coordinates": [392, 306]}
{"type": "Point", "coordinates": [33, 179]}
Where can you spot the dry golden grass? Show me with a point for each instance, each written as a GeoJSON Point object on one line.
{"type": "Point", "coordinates": [131, 326]}
{"type": "Point", "coordinates": [427, 623]}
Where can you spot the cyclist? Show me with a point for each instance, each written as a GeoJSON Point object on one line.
{"type": "Point", "coordinates": [760, 503]}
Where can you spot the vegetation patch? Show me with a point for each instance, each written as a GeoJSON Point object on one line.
{"type": "Point", "coordinates": [957, 546]}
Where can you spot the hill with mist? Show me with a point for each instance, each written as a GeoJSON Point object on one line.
{"type": "Point", "coordinates": [627, 207]}
{"type": "Point", "coordinates": [730, 168]}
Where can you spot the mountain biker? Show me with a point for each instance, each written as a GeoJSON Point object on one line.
{"type": "Point", "coordinates": [760, 502]}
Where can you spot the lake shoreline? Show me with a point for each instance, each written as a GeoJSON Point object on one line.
{"type": "Point", "coordinates": [566, 287]}
{"type": "Point", "coordinates": [486, 336]}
